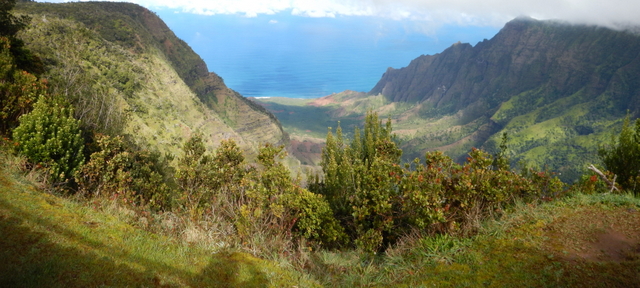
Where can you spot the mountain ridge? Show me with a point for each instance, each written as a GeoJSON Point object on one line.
{"type": "Point", "coordinates": [549, 85]}
{"type": "Point", "coordinates": [558, 90]}
{"type": "Point", "coordinates": [143, 36]}
{"type": "Point", "coordinates": [526, 40]}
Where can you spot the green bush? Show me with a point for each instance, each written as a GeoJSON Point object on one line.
{"type": "Point", "coordinates": [194, 176]}
{"type": "Point", "coordinates": [622, 156]}
{"type": "Point", "coordinates": [123, 173]}
{"type": "Point", "coordinates": [361, 182]}
{"type": "Point", "coordinates": [377, 201]}
{"type": "Point", "coordinates": [50, 136]}
{"type": "Point", "coordinates": [19, 90]}
{"type": "Point", "coordinates": [274, 201]}
{"type": "Point", "coordinates": [256, 200]}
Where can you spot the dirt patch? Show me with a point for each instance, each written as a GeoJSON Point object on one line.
{"type": "Point", "coordinates": [307, 150]}
{"type": "Point", "coordinates": [597, 235]}
{"type": "Point", "coordinates": [323, 101]}
{"type": "Point", "coordinates": [613, 245]}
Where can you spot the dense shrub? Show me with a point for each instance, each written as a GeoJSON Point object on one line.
{"type": "Point", "coordinates": [193, 176]}
{"type": "Point", "coordinates": [19, 89]}
{"type": "Point", "coordinates": [50, 136]}
{"type": "Point", "coordinates": [622, 156]}
{"type": "Point", "coordinates": [361, 181]}
{"type": "Point", "coordinates": [256, 200]}
{"type": "Point", "coordinates": [273, 200]}
{"type": "Point", "coordinates": [377, 201]}
{"type": "Point", "coordinates": [121, 172]}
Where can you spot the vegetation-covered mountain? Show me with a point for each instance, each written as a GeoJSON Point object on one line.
{"type": "Point", "coordinates": [122, 60]}
{"type": "Point", "coordinates": [81, 205]}
{"type": "Point", "coordinates": [558, 90]}
{"type": "Point", "coordinates": [554, 88]}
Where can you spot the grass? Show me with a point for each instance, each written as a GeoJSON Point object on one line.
{"type": "Point", "coordinates": [51, 241]}
{"type": "Point", "coordinates": [533, 245]}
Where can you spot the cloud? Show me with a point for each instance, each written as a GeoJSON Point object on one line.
{"type": "Point", "coordinates": [431, 12]}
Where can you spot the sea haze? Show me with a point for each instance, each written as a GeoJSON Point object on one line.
{"type": "Point", "coordinates": [302, 57]}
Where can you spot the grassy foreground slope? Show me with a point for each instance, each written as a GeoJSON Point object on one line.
{"type": "Point", "coordinates": [49, 241]}
{"type": "Point", "coordinates": [53, 241]}
{"type": "Point", "coordinates": [582, 241]}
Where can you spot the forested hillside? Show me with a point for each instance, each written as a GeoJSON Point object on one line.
{"type": "Point", "coordinates": [127, 73]}
{"type": "Point", "coordinates": [557, 89]}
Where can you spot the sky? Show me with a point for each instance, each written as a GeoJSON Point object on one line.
{"type": "Point", "coordinates": [312, 48]}
{"type": "Point", "coordinates": [431, 14]}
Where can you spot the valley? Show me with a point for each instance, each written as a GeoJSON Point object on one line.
{"type": "Point", "coordinates": [557, 90]}
{"type": "Point", "coordinates": [125, 162]}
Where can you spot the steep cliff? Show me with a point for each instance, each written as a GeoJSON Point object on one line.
{"type": "Point", "coordinates": [557, 89]}
{"type": "Point", "coordinates": [552, 60]}
{"type": "Point", "coordinates": [157, 78]}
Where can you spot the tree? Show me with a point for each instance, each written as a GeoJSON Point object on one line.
{"type": "Point", "coordinates": [10, 25]}
{"type": "Point", "coordinates": [18, 86]}
{"type": "Point", "coordinates": [194, 176]}
{"type": "Point", "coordinates": [50, 136]}
{"type": "Point", "coordinates": [361, 181]}
{"type": "Point", "coordinates": [19, 89]}
{"type": "Point", "coordinates": [622, 156]}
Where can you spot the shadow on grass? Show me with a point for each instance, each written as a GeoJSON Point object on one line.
{"type": "Point", "coordinates": [31, 259]}
{"type": "Point", "coordinates": [232, 270]}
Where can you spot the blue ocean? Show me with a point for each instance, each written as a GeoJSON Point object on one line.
{"type": "Point", "coordinates": [301, 57]}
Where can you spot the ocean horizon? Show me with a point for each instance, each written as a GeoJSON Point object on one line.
{"type": "Point", "coordinates": [282, 55]}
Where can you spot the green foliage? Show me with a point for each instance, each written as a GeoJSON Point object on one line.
{"type": "Point", "coordinates": [377, 201]}
{"type": "Point", "coordinates": [120, 172]}
{"type": "Point", "coordinates": [10, 25]}
{"type": "Point", "coordinates": [463, 195]}
{"type": "Point", "coordinates": [193, 175]}
{"type": "Point", "coordinates": [49, 135]}
{"type": "Point", "coordinates": [622, 156]}
{"type": "Point", "coordinates": [94, 76]}
{"type": "Point", "coordinates": [274, 201]}
{"type": "Point", "coordinates": [260, 200]}
{"type": "Point", "coordinates": [19, 89]}
{"type": "Point", "coordinates": [361, 181]}
{"type": "Point", "coordinates": [209, 183]}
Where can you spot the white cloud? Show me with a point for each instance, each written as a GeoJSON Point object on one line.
{"type": "Point", "coordinates": [273, 21]}
{"type": "Point", "coordinates": [431, 12]}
